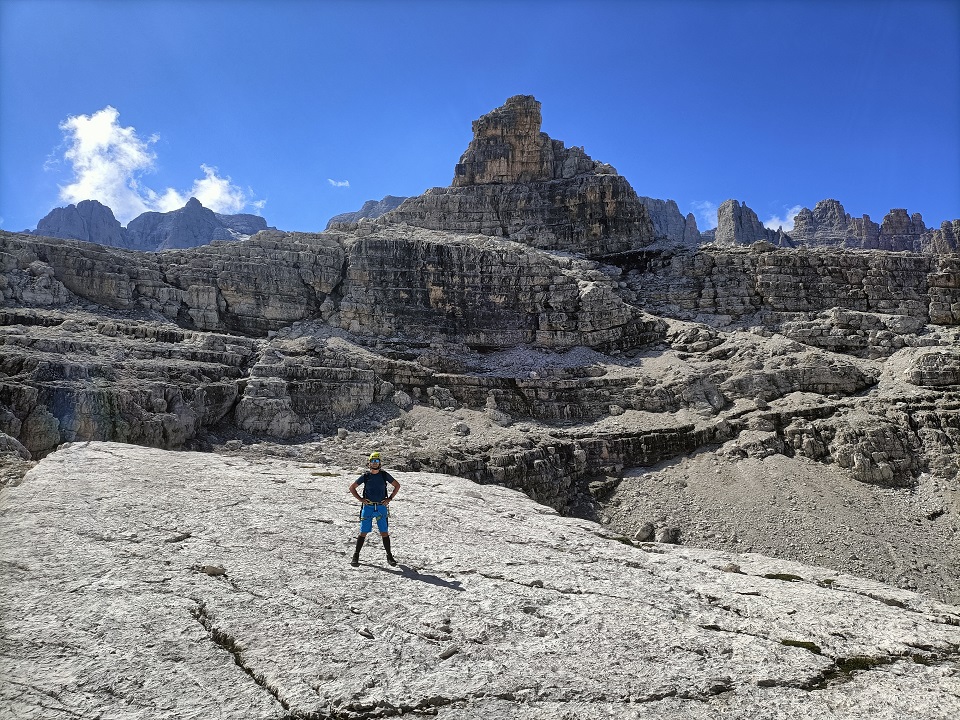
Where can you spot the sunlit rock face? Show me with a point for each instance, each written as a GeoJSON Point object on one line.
{"type": "Point", "coordinates": [515, 182]}
{"type": "Point", "coordinates": [133, 577]}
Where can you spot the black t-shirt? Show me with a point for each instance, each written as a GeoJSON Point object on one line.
{"type": "Point", "coordinates": [375, 485]}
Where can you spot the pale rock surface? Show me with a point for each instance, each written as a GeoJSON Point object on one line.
{"type": "Point", "coordinates": [371, 210]}
{"type": "Point", "coordinates": [142, 583]}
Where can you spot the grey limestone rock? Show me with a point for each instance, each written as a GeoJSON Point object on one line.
{"type": "Point", "coordinates": [946, 239]}
{"type": "Point", "coordinates": [190, 226]}
{"type": "Point", "coordinates": [670, 224]}
{"type": "Point", "coordinates": [828, 225]}
{"type": "Point", "coordinates": [194, 571]}
{"type": "Point", "coordinates": [515, 182]}
{"type": "Point", "coordinates": [739, 225]}
{"type": "Point", "coordinates": [88, 220]}
{"type": "Point", "coordinates": [900, 231]}
{"type": "Point", "coordinates": [371, 210]}
{"type": "Point", "coordinates": [241, 225]}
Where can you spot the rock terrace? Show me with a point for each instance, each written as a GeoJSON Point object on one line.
{"type": "Point", "coordinates": [143, 582]}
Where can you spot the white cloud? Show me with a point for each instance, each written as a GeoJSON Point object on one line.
{"type": "Point", "coordinates": [109, 160]}
{"type": "Point", "coordinates": [214, 192]}
{"type": "Point", "coordinates": [707, 212]}
{"type": "Point", "coordinates": [339, 183]}
{"type": "Point", "coordinates": [786, 222]}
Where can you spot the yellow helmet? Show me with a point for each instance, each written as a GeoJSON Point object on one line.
{"type": "Point", "coordinates": [374, 456]}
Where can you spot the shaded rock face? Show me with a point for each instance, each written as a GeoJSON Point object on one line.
{"type": "Point", "coordinates": [946, 239]}
{"type": "Point", "coordinates": [670, 224]}
{"type": "Point", "coordinates": [190, 226]}
{"type": "Point", "coordinates": [240, 224]}
{"type": "Point", "coordinates": [828, 224]}
{"type": "Point", "coordinates": [514, 182]}
{"type": "Point", "coordinates": [739, 225]}
{"type": "Point", "coordinates": [88, 220]}
{"type": "Point", "coordinates": [371, 210]}
{"type": "Point", "coordinates": [497, 607]}
{"type": "Point", "coordinates": [900, 231]}
{"type": "Point", "coordinates": [739, 283]}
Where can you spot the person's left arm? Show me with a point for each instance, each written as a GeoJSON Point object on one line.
{"type": "Point", "coordinates": [396, 488]}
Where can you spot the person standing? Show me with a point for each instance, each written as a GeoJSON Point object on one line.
{"type": "Point", "coordinates": [375, 505]}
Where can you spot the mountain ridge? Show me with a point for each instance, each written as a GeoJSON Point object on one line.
{"type": "Point", "coordinates": [190, 226]}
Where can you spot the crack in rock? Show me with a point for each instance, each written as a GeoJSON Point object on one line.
{"type": "Point", "coordinates": [227, 642]}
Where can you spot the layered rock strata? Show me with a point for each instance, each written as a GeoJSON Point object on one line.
{"type": "Point", "coordinates": [371, 210]}
{"type": "Point", "coordinates": [670, 224]}
{"type": "Point", "coordinates": [734, 284]}
{"type": "Point", "coordinates": [515, 182]}
{"type": "Point", "coordinates": [411, 282]}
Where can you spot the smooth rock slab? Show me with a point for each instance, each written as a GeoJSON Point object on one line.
{"type": "Point", "coordinates": [139, 583]}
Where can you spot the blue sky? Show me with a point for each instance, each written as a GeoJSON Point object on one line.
{"type": "Point", "coordinates": [300, 110]}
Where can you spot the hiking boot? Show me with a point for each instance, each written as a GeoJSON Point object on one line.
{"type": "Point", "coordinates": [391, 560]}
{"type": "Point", "coordinates": [355, 560]}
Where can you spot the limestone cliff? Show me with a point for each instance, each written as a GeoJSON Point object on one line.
{"type": "Point", "coordinates": [739, 225]}
{"type": "Point", "coordinates": [371, 210]}
{"type": "Point", "coordinates": [483, 356]}
{"type": "Point", "coordinates": [669, 224]}
{"type": "Point", "coordinates": [829, 225]}
{"type": "Point", "coordinates": [515, 182]}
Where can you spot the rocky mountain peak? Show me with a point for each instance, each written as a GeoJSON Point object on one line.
{"type": "Point", "coordinates": [514, 181]}
{"type": "Point", "coordinates": [508, 147]}
{"type": "Point", "coordinates": [739, 225]}
{"type": "Point", "coordinates": [88, 220]}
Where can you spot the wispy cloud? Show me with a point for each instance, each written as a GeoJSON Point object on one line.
{"type": "Point", "coordinates": [786, 222]}
{"type": "Point", "coordinates": [707, 212]}
{"type": "Point", "coordinates": [339, 183]}
{"type": "Point", "coordinates": [109, 162]}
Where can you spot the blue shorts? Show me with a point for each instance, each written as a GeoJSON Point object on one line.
{"type": "Point", "coordinates": [369, 512]}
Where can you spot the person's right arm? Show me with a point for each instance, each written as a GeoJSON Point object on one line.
{"type": "Point", "coordinates": [353, 491]}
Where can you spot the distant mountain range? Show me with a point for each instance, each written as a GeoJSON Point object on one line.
{"type": "Point", "coordinates": [190, 226]}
